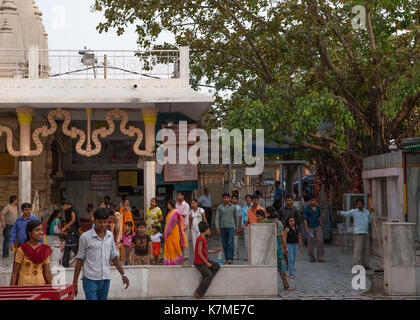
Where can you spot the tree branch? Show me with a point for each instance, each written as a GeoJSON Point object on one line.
{"type": "Point", "coordinates": [269, 76]}
{"type": "Point", "coordinates": [405, 112]}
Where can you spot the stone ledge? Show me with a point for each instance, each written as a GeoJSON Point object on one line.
{"type": "Point", "coordinates": [179, 281]}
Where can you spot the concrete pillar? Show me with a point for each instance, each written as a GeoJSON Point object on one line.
{"type": "Point", "coordinates": [184, 63]}
{"type": "Point", "coordinates": [25, 164]}
{"type": "Point", "coordinates": [262, 244]}
{"type": "Point", "coordinates": [277, 173]}
{"type": "Point", "coordinates": [149, 118]}
{"type": "Point", "coordinates": [399, 258]}
{"type": "Point", "coordinates": [33, 61]}
{"type": "Point", "coordinates": [248, 184]}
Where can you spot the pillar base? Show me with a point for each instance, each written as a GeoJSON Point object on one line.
{"type": "Point", "coordinates": [149, 182]}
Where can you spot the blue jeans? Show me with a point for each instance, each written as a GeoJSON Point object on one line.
{"type": "Point", "coordinates": [6, 243]}
{"type": "Point", "coordinates": [227, 242]}
{"type": "Point", "coordinates": [96, 289]}
{"type": "Point", "coordinates": [292, 248]}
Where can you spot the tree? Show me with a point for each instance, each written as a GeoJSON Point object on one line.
{"type": "Point", "coordinates": [301, 70]}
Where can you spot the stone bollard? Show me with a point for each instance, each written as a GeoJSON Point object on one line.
{"type": "Point", "coordinates": [399, 258]}
{"type": "Point", "coordinates": [262, 244]}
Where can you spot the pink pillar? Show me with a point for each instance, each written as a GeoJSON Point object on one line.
{"type": "Point", "coordinates": [149, 118]}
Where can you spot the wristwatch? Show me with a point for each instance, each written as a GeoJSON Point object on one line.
{"type": "Point", "coordinates": [124, 275]}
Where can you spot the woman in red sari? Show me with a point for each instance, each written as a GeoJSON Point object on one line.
{"type": "Point", "coordinates": [31, 266]}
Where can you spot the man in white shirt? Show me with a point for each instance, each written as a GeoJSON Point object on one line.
{"type": "Point", "coordinates": [205, 202]}
{"type": "Point", "coordinates": [362, 218]}
{"type": "Point", "coordinates": [96, 250]}
{"type": "Point", "coordinates": [184, 208]}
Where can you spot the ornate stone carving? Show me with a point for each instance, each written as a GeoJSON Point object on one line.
{"type": "Point", "coordinates": [74, 132]}
{"type": "Point", "coordinates": [103, 132]}
{"type": "Point", "coordinates": [9, 141]}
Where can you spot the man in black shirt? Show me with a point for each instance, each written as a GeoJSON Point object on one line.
{"type": "Point", "coordinates": [71, 229]}
{"type": "Point", "coordinates": [289, 211]}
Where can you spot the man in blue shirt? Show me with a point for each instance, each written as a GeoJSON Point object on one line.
{"type": "Point", "coordinates": [313, 228]}
{"type": "Point", "coordinates": [278, 196]}
{"type": "Point", "coordinates": [248, 204]}
{"type": "Point", "coordinates": [362, 219]}
{"type": "Point", "coordinates": [18, 234]}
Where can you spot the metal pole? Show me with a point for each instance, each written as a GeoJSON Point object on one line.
{"type": "Point", "coordinates": [105, 66]}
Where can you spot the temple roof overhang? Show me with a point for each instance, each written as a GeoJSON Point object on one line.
{"type": "Point", "coordinates": [166, 95]}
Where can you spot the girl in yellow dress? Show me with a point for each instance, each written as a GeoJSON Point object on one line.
{"type": "Point", "coordinates": [31, 266]}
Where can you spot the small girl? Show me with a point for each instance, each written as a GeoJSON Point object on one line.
{"type": "Point", "coordinates": [293, 238]}
{"type": "Point", "coordinates": [156, 238]}
{"type": "Point", "coordinates": [126, 241]}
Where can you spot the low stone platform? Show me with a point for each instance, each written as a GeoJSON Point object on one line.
{"type": "Point", "coordinates": [178, 281]}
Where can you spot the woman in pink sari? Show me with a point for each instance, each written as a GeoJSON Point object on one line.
{"type": "Point", "coordinates": [175, 237]}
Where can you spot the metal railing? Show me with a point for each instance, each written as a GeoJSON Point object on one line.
{"type": "Point", "coordinates": [93, 64]}
{"type": "Point", "coordinates": [14, 63]}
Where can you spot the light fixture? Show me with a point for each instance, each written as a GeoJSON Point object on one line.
{"type": "Point", "coordinates": [393, 146]}
{"type": "Point", "coordinates": [88, 57]}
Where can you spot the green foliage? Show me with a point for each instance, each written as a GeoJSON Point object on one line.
{"type": "Point", "coordinates": [298, 69]}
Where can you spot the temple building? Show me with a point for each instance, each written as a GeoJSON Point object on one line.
{"type": "Point", "coordinates": [79, 125]}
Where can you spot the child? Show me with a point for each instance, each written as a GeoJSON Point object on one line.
{"type": "Point", "coordinates": [260, 215]}
{"type": "Point", "coordinates": [142, 245]}
{"type": "Point", "coordinates": [156, 238]}
{"type": "Point", "coordinates": [126, 241]}
{"type": "Point", "coordinates": [293, 238]}
{"type": "Point", "coordinates": [62, 237]}
{"type": "Point", "coordinates": [208, 269]}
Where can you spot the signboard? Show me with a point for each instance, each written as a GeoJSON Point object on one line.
{"type": "Point", "coordinates": [185, 135]}
{"type": "Point", "coordinates": [101, 182]}
{"type": "Point", "coordinates": [127, 178]}
{"type": "Point", "coordinates": [181, 172]}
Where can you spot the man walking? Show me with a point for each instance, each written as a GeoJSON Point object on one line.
{"type": "Point", "coordinates": [96, 250]}
{"type": "Point", "coordinates": [226, 222]}
{"type": "Point", "coordinates": [205, 202]}
{"type": "Point", "coordinates": [362, 219]}
{"type": "Point", "coordinates": [8, 218]}
{"type": "Point", "coordinates": [313, 228]}
{"type": "Point", "coordinates": [289, 211]}
{"type": "Point", "coordinates": [18, 234]}
{"type": "Point", "coordinates": [71, 229]}
{"type": "Point", "coordinates": [184, 208]}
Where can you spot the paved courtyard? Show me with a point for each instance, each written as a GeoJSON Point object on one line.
{"type": "Point", "coordinates": [330, 280]}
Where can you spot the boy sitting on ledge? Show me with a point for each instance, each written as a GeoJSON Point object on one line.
{"type": "Point", "coordinates": [208, 269]}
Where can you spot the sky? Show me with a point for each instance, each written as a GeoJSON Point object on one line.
{"type": "Point", "coordinates": [71, 24]}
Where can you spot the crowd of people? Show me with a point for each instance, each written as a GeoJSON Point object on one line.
{"type": "Point", "coordinates": [115, 236]}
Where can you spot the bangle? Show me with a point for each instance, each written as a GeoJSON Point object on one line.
{"type": "Point", "coordinates": [124, 275]}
